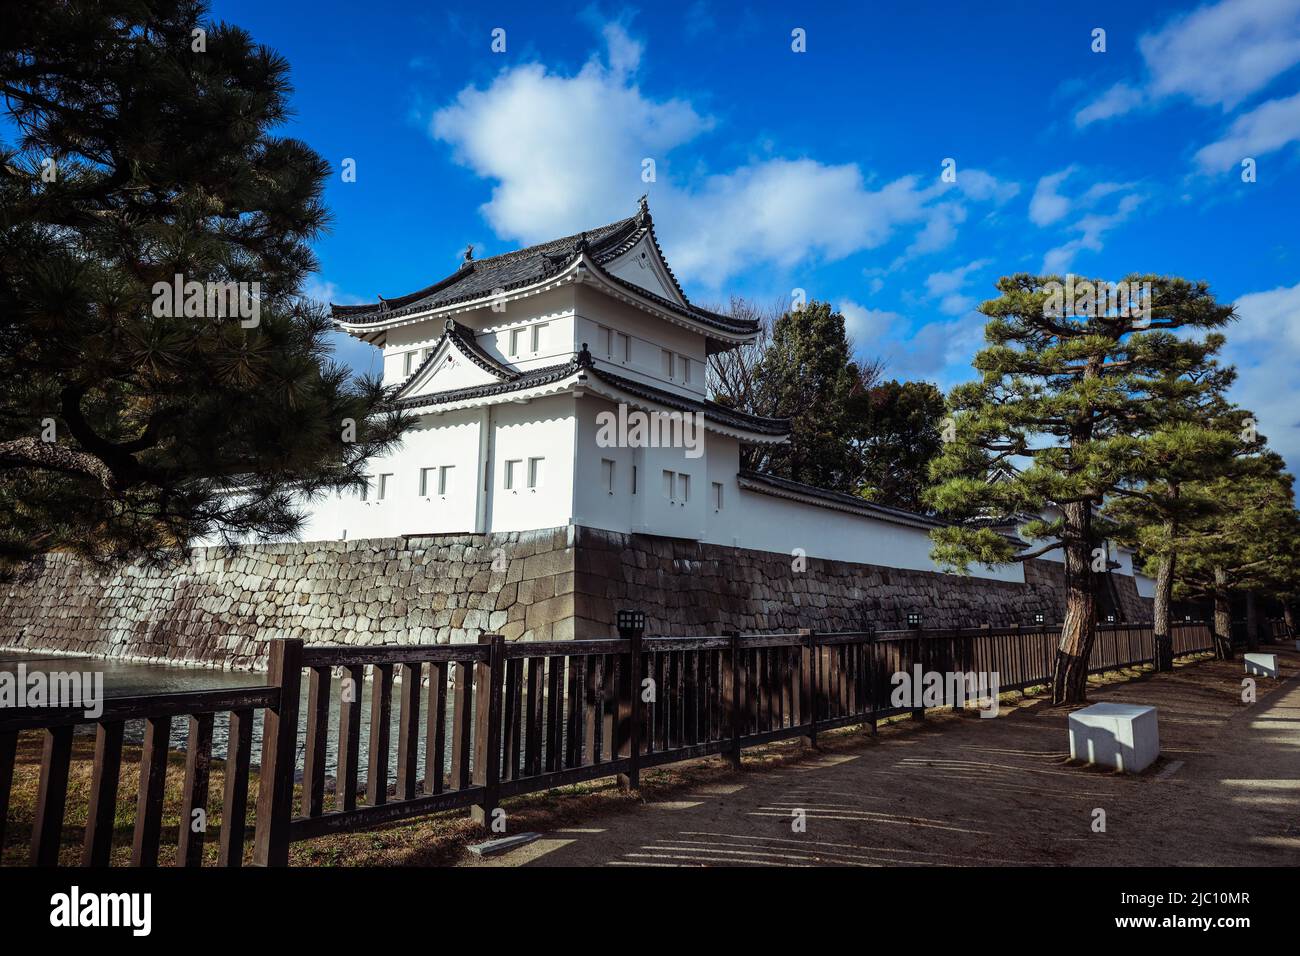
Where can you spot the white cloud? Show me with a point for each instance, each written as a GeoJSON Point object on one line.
{"type": "Point", "coordinates": [1116, 101]}
{"type": "Point", "coordinates": [938, 351]}
{"type": "Point", "coordinates": [324, 291]}
{"type": "Point", "coordinates": [565, 154]}
{"type": "Point", "coordinates": [867, 326]}
{"type": "Point", "coordinates": [1265, 347]}
{"type": "Point", "coordinates": [948, 286]}
{"type": "Point", "coordinates": [1047, 205]}
{"type": "Point", "coordinates": [624, 52]}
{"type": "Point", "coordinates": [1089, 225]}
{"type": "Point", "coordinates": [1222, 53]}
{"type": "Point", "coordinates": [560, 147]}
{"type": "Point", "coordinates": [1265, 129]}
{"type": "Point", "coordinates": [1217, 55]}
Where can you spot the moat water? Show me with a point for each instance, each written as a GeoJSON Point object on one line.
{"type": "Point", "coordinates": [130, 679]}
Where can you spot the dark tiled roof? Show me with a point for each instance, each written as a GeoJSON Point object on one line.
{"type": "Point", "coordinates": [512, 270]}
{"type": "Point", "coordinates": [521, 381]}
{"type": "Point", "coordinates": [720, 414]}
{"type": "Point", "coordinates": [465, 340]}
{"type": "Point", "coordinates": [550, 374]}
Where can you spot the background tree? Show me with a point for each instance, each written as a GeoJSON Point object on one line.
{"type": "Point", "coordinates": [144, 152]}
{"type": "Point", "coordinates": [1198, 436]}
{"type": "Point", "coordinates": [896, 433]}
{"type": "Point", "coordinates": [1241, 543]}
{"type": "Point", "coordinates": [733, 374]}
{"type": "Point", "coordinates": [807, 375]}
{"type": "Point", "coordinates": [1067, 387]}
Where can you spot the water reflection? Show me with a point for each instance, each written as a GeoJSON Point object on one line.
{"type": "Point", "coordinates": [131, 679]}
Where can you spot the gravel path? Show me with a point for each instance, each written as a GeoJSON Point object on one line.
{"type": "Point", "coordinates": [965, 791]}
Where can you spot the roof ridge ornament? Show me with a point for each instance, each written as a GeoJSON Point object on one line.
{"type": "Point", "coordinates": [580, 245]}
{"type": "Point", "coordinates": [643, 216]}
{"type": "Point", "coordinates": [469, 252]}
{"type": "Point", "coordinates": [584, 357]}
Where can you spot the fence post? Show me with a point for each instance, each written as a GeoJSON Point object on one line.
{"type": "Point", "coordinates": [810, 683]}
{"type": "Point", "coordinates": [279, 752]}
{"type": "Point", "coordinates": [488, 676]}
{"type": "Point", "coordinates": [873, 682]}
{"type": "Point", "coordinates": [918, 691]}
{"type": "Point", "coordinates": [733, 698]}
{"type": "Point", "coordinates": [631, 628]}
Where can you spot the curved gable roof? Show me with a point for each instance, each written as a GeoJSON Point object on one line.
{"type": "Point", "coordinates": [477, 279]}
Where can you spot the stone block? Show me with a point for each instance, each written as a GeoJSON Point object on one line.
{"type": "Point", "coordinates": [1123, 736]}
{"type": "Point", "coordinates": [1261, 665]}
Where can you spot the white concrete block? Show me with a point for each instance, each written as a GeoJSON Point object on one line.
{"type": "Point", "coordinates": [1123, 736]}
{"type": "Point", "coordinates": [1265, 665]}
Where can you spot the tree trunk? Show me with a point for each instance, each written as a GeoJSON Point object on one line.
{"type": "Point", "coordinates": [1288, 618]}
{"type": "Point", "coordinates": [1222, 617]}
{"type": "Point", "coordinates": [1164, 649]}
{"type": "Point", "coordinates": [1070, 682]}
{"type": "Point", "coordinates": [1252, 622]}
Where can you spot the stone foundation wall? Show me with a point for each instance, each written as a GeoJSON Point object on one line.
{"type": "Point", "coordinates": [220, 608]}
{"type": "Point", "coordinates": [688, 588]}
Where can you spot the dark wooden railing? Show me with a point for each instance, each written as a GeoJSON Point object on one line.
{"type": "Point", "coordinates": [157, 712]}
{"type": "Point", "coordinates": [498, 719]}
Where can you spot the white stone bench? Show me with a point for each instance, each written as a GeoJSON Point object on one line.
{"type": "Point", "coordinates": [1265, 665]}
{"type": "Point", "coordinates": [1122, 736]}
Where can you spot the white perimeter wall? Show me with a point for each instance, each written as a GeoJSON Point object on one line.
{"type": "Point", "coordinates": [746, 519]}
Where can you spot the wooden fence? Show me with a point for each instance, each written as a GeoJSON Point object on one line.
{"type": "Point", "coordinates": [498, 719]}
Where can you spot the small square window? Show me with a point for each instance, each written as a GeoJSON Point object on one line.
{"type": "Point", "coordinates": [385, 485]}
{"type": "Point", "coordinates": [535, 472]}
{"type": "Point", "coordinates": [670, 487]}
{"type": "Point", "coordinates": [717, 496]}
{"type": "Point", "coordinates": [444, 479]}
{"type": "Point", "coordinates": [607, 475]}
{"type": "Point", "coordinates": [539, 336]}
{"type": "Point", "coordinates": [516, 341]}
{"type": "Point", "coordinates": [409, 359]}
{"type": "Point", "coordinates": [622, 348]}
{"type": "Point", "coordinates": [365, 488]}
{"type": "Point", "coordinates": [512, 473]}
{"type": "Point", "coordinates": [684, 488]}
{"type": "Point", "coordinates": [426, 474]}
{"type": "Point", "coordinates": [634, 479]}
{"type": "Point", "coordinates": [668, 364]}
{"type": "Point", "coordinates": [686, 369]}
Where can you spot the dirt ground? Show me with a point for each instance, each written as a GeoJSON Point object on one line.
{"type": "Point", "coordinates": [967, 791]}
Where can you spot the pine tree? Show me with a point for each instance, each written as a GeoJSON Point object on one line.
{"type": "Point", "coordinates": [1198, 437]}
{"type": "Point", "coordinates": [808, 376]}
{"type": "Point", "coordinates": [145, 152]}
{"type": "Point", "coordinates": [1242, 543]}
{"type": "Point", "coordinates": [1067, 383]}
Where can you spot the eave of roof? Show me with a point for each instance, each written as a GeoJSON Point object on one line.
{"type": "Point", "coordinates": [463, 338]}
{"type": "Point", "coordinates": [798, 491]}
{"type": "Point", "coordinates": [720, 414]}
{"type": "Point", "coordinates": [534, 265]}
{"type": "Point", "coordinates": [768, 428]}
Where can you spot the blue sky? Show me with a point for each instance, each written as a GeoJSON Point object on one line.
{"type": "Point", "coordinates": [821, 170]}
